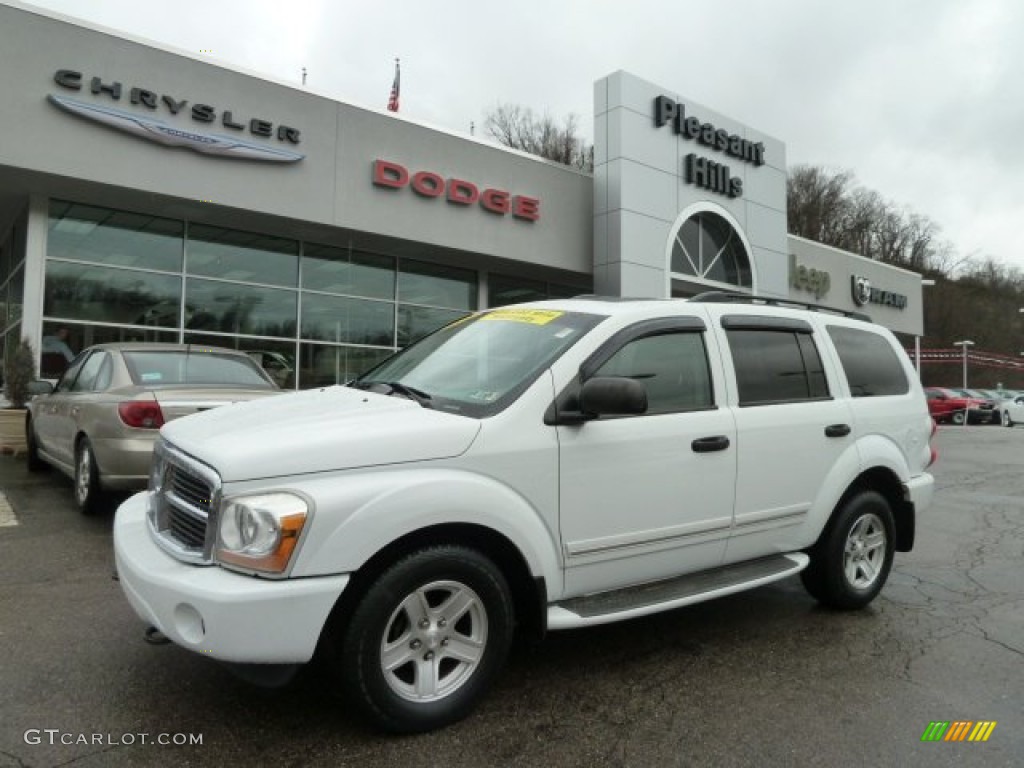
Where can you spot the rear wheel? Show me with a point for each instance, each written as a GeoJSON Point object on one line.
{"type": "Point", "coordinates": [851, 561]}
{"type": "Point", "coordinates": [88, 495]}
{"type": "Point", "coordinates": [1007, 421]}
{"type": "Point", "coordinates": [426, 640]}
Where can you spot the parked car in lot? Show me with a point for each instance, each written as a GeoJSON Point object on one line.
{"type": "Point", "coordinates": [548, 466]}
{"type": "Point", "coordinates": [1011, 411]}
{"type": "Point", "coordinates": [99, 423]}
{"type": "Point", "coordinates": [951, 406]}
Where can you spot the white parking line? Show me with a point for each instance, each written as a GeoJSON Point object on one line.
{"type": "Point", "coordinates": [7, 516]}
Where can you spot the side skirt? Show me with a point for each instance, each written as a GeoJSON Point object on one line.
{"type": "Point", "coordinates": [645, 599]}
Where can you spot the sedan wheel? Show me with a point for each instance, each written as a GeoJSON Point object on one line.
{"type": "Point", "coordinates": [1007, 421]}
{"type": "Point", "coordinates": [88, 496]}
{"type": "Point", "coordinates": [958, 417]}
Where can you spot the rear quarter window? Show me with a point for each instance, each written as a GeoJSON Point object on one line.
{"type": "Point", "coordinates": [871, 365]}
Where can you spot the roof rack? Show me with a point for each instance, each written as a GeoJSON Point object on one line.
{"type": "Point", "coordinates": [726, 297]}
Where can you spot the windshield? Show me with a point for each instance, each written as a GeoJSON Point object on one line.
{"type": "Point", "coordinates": [478, 365]}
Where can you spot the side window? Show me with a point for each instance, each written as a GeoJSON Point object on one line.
{"type": "Point", "coordinates": [68, 377]}
{"type": "Point", "coordinates": [776, 365]}
{"type": "Point", "coordinates": [870, 363]}
{"type": "Point", "coordinates": [105, 375]}
{"type": "Point", "coordinates": [673, 367]}
{"type": "Point", "coordinates": [87, 378]}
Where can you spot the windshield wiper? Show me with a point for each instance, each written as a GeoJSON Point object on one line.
{"type": "Point", "coordinates": [397, 387]}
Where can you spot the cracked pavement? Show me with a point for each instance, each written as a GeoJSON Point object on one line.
{"type": "Point", "coordinates": [757, 679]}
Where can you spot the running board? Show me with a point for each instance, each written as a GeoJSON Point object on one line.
{"type": "Point", "coordinates": [606, 607]}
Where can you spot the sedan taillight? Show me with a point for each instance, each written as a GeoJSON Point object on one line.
{"type": "Point", "coordinates": [141, 414]}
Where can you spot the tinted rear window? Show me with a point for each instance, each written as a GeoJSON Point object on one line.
{"type": "Point", "coordinates": [776, 366]}
{"type": "Point", "coordinates": [194, 368]}
{"type": "Point", "coordinates": [871, 365]}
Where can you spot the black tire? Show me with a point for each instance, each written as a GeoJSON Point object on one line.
{"type": "Point", "coordinates": [32, 458]}
{"type": "Point", "coordinates": [417, 589]}
{"type": "Point", "coordinates": [89, 496]}
{"type": "Point", "coordinates": [851, 561]}
{"type": "Point", "coordinates": [958, 417]}
{"type": "Point", "coordinates": [1007, 421]}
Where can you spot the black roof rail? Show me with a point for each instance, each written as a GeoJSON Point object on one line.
{"type": "Point", "coordinates": [727, 297]}
{"type": "Point", "coordinates": [615, 299]}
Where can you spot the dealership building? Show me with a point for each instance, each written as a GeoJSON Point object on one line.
{"type": "Point", "coordinates": [147, 194]}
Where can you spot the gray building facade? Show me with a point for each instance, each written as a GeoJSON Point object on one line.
{"type": "Point", "coordinates": [149, 194]}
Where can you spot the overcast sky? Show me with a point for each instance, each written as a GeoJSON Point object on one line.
{"type": "Point", "coordinates": [921, 99]}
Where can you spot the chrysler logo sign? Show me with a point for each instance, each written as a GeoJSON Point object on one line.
{"type": "Point", "coordinates": [162, 132]}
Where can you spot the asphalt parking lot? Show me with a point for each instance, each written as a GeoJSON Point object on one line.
{"type": "Point", "coordinates": [758, 679]}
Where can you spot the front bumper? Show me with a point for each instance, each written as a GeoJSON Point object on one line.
{"type": "Point", "coordinates": [221, 614]}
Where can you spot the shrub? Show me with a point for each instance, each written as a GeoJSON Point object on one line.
{"type": "Point", "coordinates": [19, 373]}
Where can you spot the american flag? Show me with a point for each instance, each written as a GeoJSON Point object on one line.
{"type": "Point", "coordinates": [395, 87]}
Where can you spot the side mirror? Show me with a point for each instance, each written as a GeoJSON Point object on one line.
{"type": "Point", "coordinates": [39, 387]}
{"type": "Point", "coordinates": [613, 395]}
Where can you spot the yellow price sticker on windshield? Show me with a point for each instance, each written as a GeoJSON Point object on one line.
{"type": "Point", "coordinates": [531, 316]}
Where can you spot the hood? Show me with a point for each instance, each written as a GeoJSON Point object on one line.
{"type": "Point", "coordinates": [318, 431]}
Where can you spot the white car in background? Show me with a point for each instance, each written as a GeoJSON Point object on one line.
{"type": "Point", "coordinates": [1011, 411]}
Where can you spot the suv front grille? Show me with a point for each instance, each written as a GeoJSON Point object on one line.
{"type": "Point", "coordinates": [182, 512]}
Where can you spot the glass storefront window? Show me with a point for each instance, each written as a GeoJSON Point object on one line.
{"type": "Point", "coordinates": [505, 289]}
{"type": "Point", "coordinates": [62, 341]}
{"type": "Point", "coordinates": [323, 365]}
{"type": "Point", "coordinates": [416, 322]}
{"type": "Point", "coordinates": [232, 308]}
{"type": "Point", "coordinates": [16, 295]}
{"type": "Point", "coordinates": [420, 283]}
{"type": "Point", "coordinates": [558, 291]}
{"type": "Point", "coordinates": [277, 358]}
{"type": "Point", "coordinates": [83, 292]}
{"type": "Point", "coordinates": [245, 256]}
{"type": "Point", "coordinates": [337, 319]}
{"type": "Point", "coordinates": [342, 270]}
{"type": "Point", "coordinates": [116, 238]}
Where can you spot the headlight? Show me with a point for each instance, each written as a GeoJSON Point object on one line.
{"type": "Point", "coordinates": [260, 532]}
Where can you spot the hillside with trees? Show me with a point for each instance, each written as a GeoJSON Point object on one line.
{"type": "Point", "coordinates": [974, 297]}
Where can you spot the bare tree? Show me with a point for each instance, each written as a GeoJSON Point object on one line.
{"type": "Point", "coordinates": [518, 127]}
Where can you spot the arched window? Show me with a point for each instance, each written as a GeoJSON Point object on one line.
{"type": "Point", "coordinates": [707, 247]}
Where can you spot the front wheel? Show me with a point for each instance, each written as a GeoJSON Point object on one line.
{"type": "Point", "coordinates": [1007, 421]}
{"type": "Point", "coordinates": [958, 417]}
{"type": "Point", "coordinates": [427, 639]}
{"type": "Point", "coordinates": [852, 559]}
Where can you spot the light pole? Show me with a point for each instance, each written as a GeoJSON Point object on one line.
{"type": "Point", "coordinates": [925, 282]}
{"type": "Point", "coordinates": [964, 345]}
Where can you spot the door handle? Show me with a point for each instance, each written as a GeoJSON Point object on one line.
{"type": "Point", "coordinates": [709, 444]}
{"type": "Point", "coordinates": [837, 430]}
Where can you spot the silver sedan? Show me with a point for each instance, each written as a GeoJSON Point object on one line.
{"type": "Point", "coordinates": [99, 423]}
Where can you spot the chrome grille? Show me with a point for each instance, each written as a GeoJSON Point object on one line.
{"type": "Point", "coordinates": [183, 502]}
